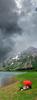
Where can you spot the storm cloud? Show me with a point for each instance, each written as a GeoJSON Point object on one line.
{"type": "Point", "coordinates": [8, 26]}
{"type": "Point", "coordinates": [18, 26]}
{"type": "Point", "coordinates": [8, 16]}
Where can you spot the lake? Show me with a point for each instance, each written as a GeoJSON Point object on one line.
{"type": "Point", "coordinates": [5, 76]}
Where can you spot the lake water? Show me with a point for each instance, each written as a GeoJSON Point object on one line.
{"type": "Point", "coordinates": [5, 75]}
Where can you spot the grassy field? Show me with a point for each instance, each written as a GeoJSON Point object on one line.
{"type": "Point", "coordinates": [11, 92]}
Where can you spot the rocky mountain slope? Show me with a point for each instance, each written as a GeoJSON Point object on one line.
{"type": "Point", "coordinates": [26, 60]}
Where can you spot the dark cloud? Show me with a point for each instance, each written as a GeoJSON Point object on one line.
{"type": "Point", "coordinates": [12, 28]}
{"type": "Point", "coordinates": [8, 27]}
{"type": "Point", "coordinates": [6, 46]}
{"type": "Point", "coordinates": [8, 17]}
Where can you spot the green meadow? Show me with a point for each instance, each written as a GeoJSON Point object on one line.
{"type": "Point", "coordinates": [11, 92]}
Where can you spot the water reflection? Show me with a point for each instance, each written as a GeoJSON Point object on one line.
{"type": "Point", "coordinates": [7, 81]}
{"type": "Point", "coordinates": [7, 78]}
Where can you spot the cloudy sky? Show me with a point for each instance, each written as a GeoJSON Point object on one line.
{"type": "Point", "coordinates": [18, 26]}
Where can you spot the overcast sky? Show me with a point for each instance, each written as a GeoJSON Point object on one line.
{"type": "Point", "coordinates": [18, 26]}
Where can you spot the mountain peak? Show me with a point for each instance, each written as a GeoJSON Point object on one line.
{"type": "Point", "coordinates": [31, 50]}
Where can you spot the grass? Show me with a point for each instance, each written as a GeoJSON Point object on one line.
{"type": "Point", "coordinates": [11, 92]}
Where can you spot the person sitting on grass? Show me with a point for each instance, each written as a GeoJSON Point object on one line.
{"type": "Point", "coordinates": [26, 85]}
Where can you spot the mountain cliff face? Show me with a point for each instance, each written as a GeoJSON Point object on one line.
{"type": "Point", "coordinates": [27, 59]}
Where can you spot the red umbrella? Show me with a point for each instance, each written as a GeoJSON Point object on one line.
{"type": "Point", "coordinates": [27, 82]}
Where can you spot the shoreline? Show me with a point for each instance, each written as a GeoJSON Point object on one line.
{"type": "Point", "coordinates": [8, 81]}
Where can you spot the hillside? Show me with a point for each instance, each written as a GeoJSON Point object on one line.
{"type": "Point", "coordinates": [26, 60]}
